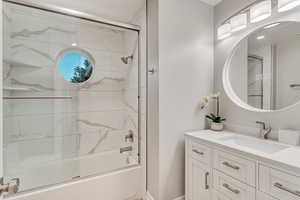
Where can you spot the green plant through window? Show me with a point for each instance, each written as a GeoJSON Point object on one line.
{"type": "Point", "coordinates": [76, 68]}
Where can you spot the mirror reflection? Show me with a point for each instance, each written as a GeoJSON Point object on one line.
{"type": "Point", "coordinates": [265, 67]}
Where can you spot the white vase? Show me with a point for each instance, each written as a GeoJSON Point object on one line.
{"type": "Point", "coordinates": [217, 126]}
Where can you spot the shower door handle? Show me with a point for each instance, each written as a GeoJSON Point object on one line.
{"type": "Point", "coordinates": [11, 188]}
{"type": "Point", "coordinates": [151, 71]}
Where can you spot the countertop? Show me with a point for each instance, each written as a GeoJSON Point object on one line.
{"type": "Point", "coordinates": [287, 158]}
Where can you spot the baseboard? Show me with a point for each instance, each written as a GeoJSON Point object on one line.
{"type": "Point", "coordinates": [180, 198]}
{"type": "Point", "coordinates": [150, 197]}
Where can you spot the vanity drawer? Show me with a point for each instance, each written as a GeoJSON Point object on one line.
{"type": "Point", "coordinates": [237, 167]}
{"type": "Point", "coordinates": [219, 196]}
{"type": "Point", "coordinates": [231, 188]}
{"type": "Point", "coordinates": [279, 184]}
{"type": "Point", "coordinates": [200, 152]}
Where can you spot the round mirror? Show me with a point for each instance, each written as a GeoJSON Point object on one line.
{"type": "Point", "coordinates": [75, 67]}
{"type": "Point", "coordinates": [263, 72]}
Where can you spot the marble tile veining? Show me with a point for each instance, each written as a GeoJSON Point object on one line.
{"type": "Point", "coordinates": [96, 124]}
{"type": "Point", "coordinates": [33, 85]}
{"type": "Point", "coordinates": [76, 137]}
{"type": "Point", "coordinates": [20, 47]}
{"type": "Point", "coordinates": [29, 33]}
{"type": "Point", "coordinates": [100, 140]}
{"type": "Point", "coordinates": [99, 82]}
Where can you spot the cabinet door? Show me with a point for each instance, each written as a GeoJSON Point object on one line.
{"type": "Point", "coordinates": [262, 196]}
{"type": "Point", "coordinates": [198, 180]}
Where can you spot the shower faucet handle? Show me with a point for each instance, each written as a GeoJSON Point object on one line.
{"type": "Point", "coordinates": [130, 136]}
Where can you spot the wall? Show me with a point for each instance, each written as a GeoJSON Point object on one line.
{"type": "Point", "coordinates": [238, 117]}
{"type": "Point", "coordinates": [153, 103]}
{"type": "Point", "coordinates": [185, 76]}
{"type": "Point", "coordinates": [288, 71]}
{"type": "Point", "coordinates": [107, 102]}
{"type": "Point", "coordinates": [239, 71]}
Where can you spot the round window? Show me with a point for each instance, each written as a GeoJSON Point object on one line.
{"type": "Point", "coordinates": [76, 67]}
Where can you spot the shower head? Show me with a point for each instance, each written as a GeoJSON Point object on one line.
{"type": "Point", "coordinates": [126, 59]}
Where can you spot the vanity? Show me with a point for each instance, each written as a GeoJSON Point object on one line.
{"type": "Point", "coordinates": [230, 166]}
{"type": "Point", "coordinates": [261, 76]}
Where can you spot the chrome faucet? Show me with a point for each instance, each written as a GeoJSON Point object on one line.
{"type": "Point", "coordinates": [264, 131]}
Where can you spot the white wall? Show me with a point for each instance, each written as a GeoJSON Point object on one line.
{"type": "Point", "coordinates": [239, 71]}
{"type": "Point", "coordinates": [185, 76]}
{"type": "Point", "coordinates": [237, 116]}
{"type": "Point", "coordinates": [288, 72]}
{"type": "Point", "coordinates": [152, 104]}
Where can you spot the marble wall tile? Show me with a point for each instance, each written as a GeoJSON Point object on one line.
{"type": "Point", "coordinates": [24, 127]}
{"type": "Point", "coordinates": [32, 152]}
{"type": "Point", "coordinates": [82, 101]}
{"type": "Point", "coordinates": [80, 136]}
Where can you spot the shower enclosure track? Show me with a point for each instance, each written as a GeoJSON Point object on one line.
{"type": "Point", "coordinates": [36, 97]}
{"type": "Point", "coordinates": [74, 13]}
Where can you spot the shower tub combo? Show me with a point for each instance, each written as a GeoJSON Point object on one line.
{"type": "Point", "coordinates": [72, 102]}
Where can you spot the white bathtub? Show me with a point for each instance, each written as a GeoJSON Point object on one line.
{"type": "Point", "coordinates": [120, 185]}
{"type": "Point", "coordinates": [34, 174]}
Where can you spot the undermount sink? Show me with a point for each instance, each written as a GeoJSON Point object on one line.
{"type": "Point", "coordinates": [256, 144]}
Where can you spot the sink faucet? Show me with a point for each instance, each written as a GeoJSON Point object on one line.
{"type": "Point", "coordinates": [264, 131]}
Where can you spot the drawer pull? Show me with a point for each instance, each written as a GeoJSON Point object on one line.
{"type": "Point", "coordinates": [235, 191]}
{"type": "Point", "coordinates": [206, 180]}
{"type": "Point", "coordinates": [227, 164]}
{"type": "Point", "coordinates": [198, 152]}
{"type": "Point", "coordinates": [281, 187]}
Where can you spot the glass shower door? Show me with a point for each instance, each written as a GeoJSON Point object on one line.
{"type": "Point", "coordinates": [70, 97]}
{"type": "Point", "coordinates": [255, 82]}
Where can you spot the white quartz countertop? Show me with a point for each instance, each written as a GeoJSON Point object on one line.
{"type": "Point", "coordinates": [287, 156]}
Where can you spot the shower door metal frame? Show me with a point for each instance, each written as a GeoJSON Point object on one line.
{"type": "Point", "coordinates": [100, 20]}
{"type": "Point", "coordinates": [74, 13]}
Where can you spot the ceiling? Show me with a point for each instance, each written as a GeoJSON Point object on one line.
{"type": "Point", "coordinates": [121, 10]}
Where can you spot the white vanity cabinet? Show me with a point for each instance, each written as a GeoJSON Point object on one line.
{"type": "Point", "coordinates": [198, 179]}
{"type": "Point", "coordinates": [216, 173]}
{"type": "Point", "coordinates": [279, 184]}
